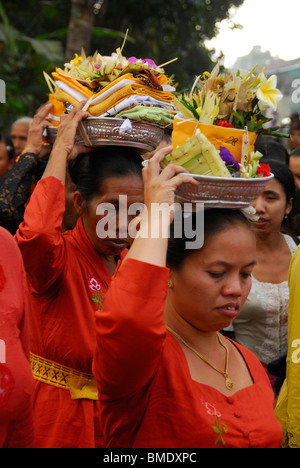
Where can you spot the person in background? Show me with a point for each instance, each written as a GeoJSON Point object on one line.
{"type": "Point", "coordinates": [292, 226]}
{"type": "Point", "coordinates": [166, 377]}
{"type": "Point", "coordinates": [262, 325]}
{"type": "Point", "coordinates": [271, 149]}
{"type": "Point", "coordinates": [16, 182]}
{"type": "Point", "coordinates": [16, 380]}
{"type": "Point", "coordinates": [294, 165]}
{"type": "Point", "coordinates": [19, 134]}
{"type": "Point", "coordinates": [7, 155]}
{"type": "Point", "coordinates": [68, 275]}
{"type": "Point", "coordinates": [294, 140]}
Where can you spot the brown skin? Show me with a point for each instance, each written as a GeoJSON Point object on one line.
{"type": "Point", "coordinates": [18, 136]}
{"type": "Point", "coordinates": [294, 140]}
{"type": "Point", "coordinates": [64, 150]}
{"type": "Point", "coordinates": [71, 215]}
{"type": "Point", "coordinates": [5, 163]}
{"type": "Point", "coordinates": [294, 165]}
{"type": "Point", "coordinates": [132, 187]}
{"type": "Point", "coordinates": [220, 270]}
{"type": "Point", "coordinates": [35, 131]}
{"type": "Point", "coordinates": [273, 255]}
{"type": "Point", "coordinates": [207, 293]}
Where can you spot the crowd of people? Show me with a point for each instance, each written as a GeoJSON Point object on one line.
{"type": "Point", "coordinates": [142, 342]}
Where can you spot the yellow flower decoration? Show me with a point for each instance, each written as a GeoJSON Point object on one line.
{"type": "Point", "coordinates": [267, 93]}
{"type": "Point", "coordinates": [77, 60]}
{"type": "Point", "coordinates": [210, 109]}
{"type": "Point", "coordinates": [163, 80]}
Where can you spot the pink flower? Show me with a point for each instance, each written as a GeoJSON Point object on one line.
{"type": "Point", "coordinates": [151, 63]}
{"type": "Point", "coordinates": [93, 284]}
{"type": "Point", "coordinates": [211, 410]}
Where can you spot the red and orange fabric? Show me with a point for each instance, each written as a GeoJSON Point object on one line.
{"type": "Point", "coordinates": [148, 398]}
{"type": "Point", "coordinates": [67, 282]}
{"type": "Point", "coordinates": [16, 381]}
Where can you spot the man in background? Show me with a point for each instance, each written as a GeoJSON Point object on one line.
{"type": "Point", "coordinates": [19, 133]}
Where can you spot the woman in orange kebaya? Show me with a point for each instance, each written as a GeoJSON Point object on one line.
{"type": "Point", "coordinates": [166, 377]}
{"type": "Point", "coordinates": [68, 275]}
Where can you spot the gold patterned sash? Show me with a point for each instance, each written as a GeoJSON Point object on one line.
{"type": "Point", "coordinates": [80, 385]}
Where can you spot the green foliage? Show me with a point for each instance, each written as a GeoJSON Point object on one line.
{"type": "Point", "coordinates": [33, 37]}
{"type": "Point", "coordinates": [165, 30]}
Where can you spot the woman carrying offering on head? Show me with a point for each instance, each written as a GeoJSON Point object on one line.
{"type": "Point", "coordinates": [262, 325]}
{"type": "Point", "coordinates": [165, 375]}
{"type": "Point", "coordinates": [68, 275]}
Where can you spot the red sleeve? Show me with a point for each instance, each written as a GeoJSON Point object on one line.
{"type": "Point", "coordinates": [39, 236]}
{"type": "Point", "coordinates": [130, 328]}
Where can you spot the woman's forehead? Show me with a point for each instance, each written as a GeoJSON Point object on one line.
{"type": "Point", "coordinates": [232, 241]}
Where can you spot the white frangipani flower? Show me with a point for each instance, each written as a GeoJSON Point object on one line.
{"type": "Point", "coordinates": [267, 92]}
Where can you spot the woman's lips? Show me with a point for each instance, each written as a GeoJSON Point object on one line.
{"type": "Point", "coordinates": [119, 243]}
{"type": "Point", "coordinates": [260, 222]}
{"type": "Point", "coordinates": [229, 310]}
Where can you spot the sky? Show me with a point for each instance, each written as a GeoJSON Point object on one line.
{"type": "Point", "coordinates": [271, 24]}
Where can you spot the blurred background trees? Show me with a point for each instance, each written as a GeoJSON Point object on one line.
{"type": "Point", "coordinates": [37, 35]}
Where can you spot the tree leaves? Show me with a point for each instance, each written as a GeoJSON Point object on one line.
{"type": "Point", "coordinates": [33, 37]}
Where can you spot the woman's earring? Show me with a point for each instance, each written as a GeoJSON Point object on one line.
{"type": "Point", "coordinates": [170, 283]}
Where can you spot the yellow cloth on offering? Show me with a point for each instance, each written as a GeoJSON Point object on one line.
{"type": "Point", "coordinates": [128, 90]}
{"type": "Point", "coordinates": [57, 110]}
{"type": "Point", "coordinates": [287, 409]}
{"type": "Point", "coordinates": [230, 138]}
{"type": "Point", "coordinates": [60, 75]}
{"type": "Point", "coordinates": [110, 95]}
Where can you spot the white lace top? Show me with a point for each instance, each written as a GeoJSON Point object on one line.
{"type": "Point", "coordinates": [262, 325]}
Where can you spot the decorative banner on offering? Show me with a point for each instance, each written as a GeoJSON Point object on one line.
{"type": "Point", "coordinates": [220, 136]}
{"type": "Point", "coordinates": [228, 109]}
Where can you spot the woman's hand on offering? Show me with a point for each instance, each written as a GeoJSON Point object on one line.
{"type": "Point", "coordinates": [160, 185]}
{"type": "Point", "coordinates": [65, 139]}
{"type": "Point", "coordinates": [64, 148]}
{"type": "Point", "coordinates": [36, 129]}
{"type": "Point", "coordinates": [151, 241]}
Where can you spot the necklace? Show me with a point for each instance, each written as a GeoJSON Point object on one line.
{"type": "Point", "coordinates": [228, 381]}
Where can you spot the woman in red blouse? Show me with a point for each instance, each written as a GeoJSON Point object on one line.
{"type": "Point", "coordinates": [68, 275]}
{"type": "Point", "coordinates": [165, 375]}
{"type": "Point", "coordinates": [16, 381]}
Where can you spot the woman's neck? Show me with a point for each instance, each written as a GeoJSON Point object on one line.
{"type": "Point", "coordinates": [195, 337]}
{"type": "Point", "coordinates": [110, 262]}
{"type": "Point", "coordinates": [269, 241]}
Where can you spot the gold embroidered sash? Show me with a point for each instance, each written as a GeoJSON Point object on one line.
{"type": "Point", "coordinates": [79, 384]}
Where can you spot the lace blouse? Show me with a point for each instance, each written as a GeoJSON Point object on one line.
{"type": "Point", "coordinates": [15, 189]}
{"type": "Point", "coordinates": [262, 325]}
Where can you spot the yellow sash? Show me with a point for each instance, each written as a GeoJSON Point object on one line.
{"type": "Point", "coordinates": [79, 384]}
